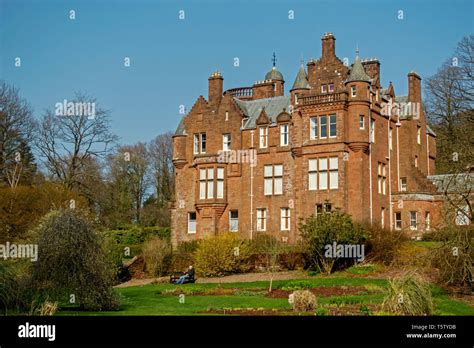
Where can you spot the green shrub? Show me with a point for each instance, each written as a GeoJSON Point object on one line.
{"type": "Point", "coordinates": [408, 295]}
{"type": "Point", "coordinates": [9, 287]}
{"type": "Point", "coordinates": [323, 230]}
{"type": "Point", "coordinates": [188, 247]}
{"type": "Point", "coordinates": [454, 255]}
{"type": "Point", "coordinates": [221, 255]}
{"type": "Point", "coordinates": [293, 285]}
{"type": "Point", "coordinates": [184, 256]}
{"type": "Point", "coordinates": [303, 301]}
{"type": "Point", "coordinates": [157, 256]}
{"type": "Point", "coordinates": [72, 261]}
{"type": "Point", "coordinates": [383, 244]}
{"type": "Point", "coordinates": [292, 257]}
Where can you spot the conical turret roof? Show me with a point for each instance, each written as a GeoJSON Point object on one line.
{"type": "Point", "coordinates": [358, 72]}
{"type": "Point", "coordinates": [301, 81]}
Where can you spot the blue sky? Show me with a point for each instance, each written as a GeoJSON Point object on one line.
{"type": "Point", "coordinates": [171, 59]}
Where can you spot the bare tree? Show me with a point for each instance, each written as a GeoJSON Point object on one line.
{"type": "Point", "coordinates": [449, 104]}
{"type": "Point", "coordinates": [161, 160]}
{"type": "Point", "coordinates": [68, 140]}
{"type": "Point", "coordinates": [129, 176]}
{"type": "Point", "coordinates": [16, 128]}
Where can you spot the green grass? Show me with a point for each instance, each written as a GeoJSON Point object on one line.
{"type": "Point", "coordinates": [153, 300]}
{"type": "Point", "coordinates": [426, 244]}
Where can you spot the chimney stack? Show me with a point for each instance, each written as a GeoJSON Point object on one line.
{"type": "Point", "coordinates": [414, 87]}
{"type": "Point", "coordinates": [216, 83]}
{"type": "Point", "coordinates": [329, 46]}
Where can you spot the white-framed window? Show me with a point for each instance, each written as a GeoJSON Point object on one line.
{"type": "Point", "coordinates": [372, 131]}
{"type": "Point", "coordinates": [278, 179]}
{"type": "Point", "coordinates": [413, 221]}
{"type": "Point", "coordinates": [199, 143]}
{"type": "Point", "coordinates": [324, 88]}
{"type": "Point", "coordinates": [323, 124]}
{"type": "Point", "coordinates": [284, 135]}
{"type": "Point", "coordinates": [313, 128]}
{"type": "Point", "coordinates": [462, 218]}
{"type": "Point", "coordinates": [203, 142]}
{"type": "Point", "coordinates": [206, 183]}
{"type": "Point", "coordinates": [226, 140]}
{"type": "Point", "coordinates": [227, 115]}
{"type": "Point", "coordinates": [331, 87]}
{"type": "Point", "coordinates": [285, 219]}
{"type": "Point", "coordinates": [202, 183]}
{"type": "Point", "coordinates": [418, 135]}
{"type": "Point", "coordinates": [398, 221]}
{"type": "Point", "coordinates": [390, 141]}
{"type": "Point", "coordinates": [273, 179]}
{"type": "Point", "coordinates": [333, 173]}
{"type": "Point", "coordinates": [261, 219]}
{"type": "Point", "coordinates": [196, 143]}
{"type": "Point", "coordinates": [220, 183]}
{"type": "Point", "coordinates": [268, 180]}
{"type": "Point", "coordinates": [323, 171]}
{"type": "Point", "coordinates": [403, 184]}
{"type": "Point", "coordinates": [427, 221]}
{"type": "Point", "coordinates": [332, 126]}
{"type": "Point", "coordinates": [192, 222]}
{"type": "Point", "coordinates": [382, 178]}
{"type": "Point", "coordinates": [312, 174]}
{"type": "Point", "coordinates": [296, 98]}
{"type": "Point", "coordinates": [353, 91]}
{"type": "Point", "coordinates": [382, 217]}
{"type": "Point", "coordinates": [416, 161]}
{"type": "Point", "coordinates": [361, 121]}
{"type": "Point", "coordinates": [263, 137]}
{"type": "Point", "coordinates": [210, 183]}
{"type": "Point", "coordinates": [233, 220]}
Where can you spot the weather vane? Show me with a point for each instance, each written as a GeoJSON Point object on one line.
{"type": "Point", "coordinates": [274, 59]}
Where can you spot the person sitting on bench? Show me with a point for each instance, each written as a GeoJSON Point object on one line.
{"type": "Point", "coordinates": [188, 275]}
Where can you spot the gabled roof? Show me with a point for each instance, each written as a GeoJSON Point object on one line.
{"type": "Point", "coordinates": [273, 107]}
{"type": "Point", "coordinates": [301, 81]}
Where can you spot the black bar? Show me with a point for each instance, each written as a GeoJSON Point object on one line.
{"type": "Point", "coordinates": [227, 330]}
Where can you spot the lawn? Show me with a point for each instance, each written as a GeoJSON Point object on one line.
{"type": "Point", "coordinates": [336, 295]}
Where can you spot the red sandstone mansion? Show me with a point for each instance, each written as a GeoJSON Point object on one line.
{"type": "Point", "coordinates": [253, 160]}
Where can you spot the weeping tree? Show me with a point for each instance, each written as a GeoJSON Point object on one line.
{"type": "Point", "coordinates": [72, 263]}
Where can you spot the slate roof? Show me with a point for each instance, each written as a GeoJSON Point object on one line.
{"type": "Point", "coordinates": [274, 74]}
{"type": "Point", "coordinates": [180, 129]}
{"type": "Point", "coordinates": [301, 81]}
{"type": "Point", "coordinates": [358, 72]}
{"type": "Point", "coordinates": [273, 107]}
{"type": "Point", "coordinates": [452, 183]}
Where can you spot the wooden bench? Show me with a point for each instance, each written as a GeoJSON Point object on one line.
{"type": "Point", "coordinates": [175, 276]}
